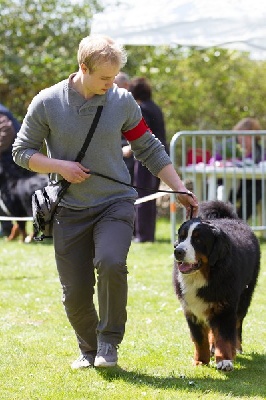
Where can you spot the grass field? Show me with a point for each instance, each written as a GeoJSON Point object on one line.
{"type": "Point", "coordinates": [155, 358]}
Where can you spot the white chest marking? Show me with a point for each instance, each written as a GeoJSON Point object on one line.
{"type": "Point", "coordinates": [191, 302]}
{"type": "Point", "coordinates": [192, 282]}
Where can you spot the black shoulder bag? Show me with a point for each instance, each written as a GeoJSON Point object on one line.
{"type": "Point", "coordinates": [46, 200]}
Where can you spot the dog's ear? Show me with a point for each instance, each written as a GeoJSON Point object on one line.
{"type": "Point", "coordinates": [221, 247]}
{"type": "Point", "coordinates": [181, 227]}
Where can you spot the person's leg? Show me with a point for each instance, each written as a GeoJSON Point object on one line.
{"type": "Point", "coordinates": [107, 232]}
{"type": "Point", "coordinates": [145, 221]}
{"type": "Point", "coordinates": [112, 238]}
{"type": "Point", "coordinates": [145, 212]}
{"type": "Point", "coordinates": [74, 249]}
{"type": "Point", "coordinates": [249, 197]}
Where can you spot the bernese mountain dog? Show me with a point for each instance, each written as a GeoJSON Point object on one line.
{"type": "Point", "coordinates": [217, 262]}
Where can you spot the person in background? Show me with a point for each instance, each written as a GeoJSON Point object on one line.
{"type": "Point", "coordinates": [146, 212]}
{"type": "Point", "coordinates": [122, 80]}
{"type": "Point", "coordinates": [245, 142]}
{"type": "Point", "coordinates": [94, 222]}
{"type": "Point", "coordinates": [242, 149]}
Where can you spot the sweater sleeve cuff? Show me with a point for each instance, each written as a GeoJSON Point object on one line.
{"type": "Point", "coordinates": [24, 158]}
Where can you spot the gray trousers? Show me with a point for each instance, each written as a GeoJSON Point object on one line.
{"type": "Point", "coordinates": [85, 241]}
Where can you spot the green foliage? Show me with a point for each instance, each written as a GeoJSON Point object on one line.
{"type": "Point", "coordinates": [39, 41]}
{"type": "Point", "coordinates": [197, 89]}
{"type": "Point", "coordinates": [202, 89]}
{"type": "Point", "coordinates": [38, 344]}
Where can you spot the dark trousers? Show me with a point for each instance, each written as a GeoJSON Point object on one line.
{"type": "Point", "coordinates": [130, 166]}
{"type": "Point", "coordinates": [249, 191]}
{"type": "Point", "coordinates": [145, 212]}
{"type": "Point", "coordinates": [87, 240]}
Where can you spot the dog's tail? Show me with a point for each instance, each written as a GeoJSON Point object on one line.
{"type": "Point", "coordinates": [216, 209]}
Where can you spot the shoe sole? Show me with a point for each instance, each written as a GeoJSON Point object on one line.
{"type": "Point", "coordinates": [105, 364]}
{"type": "Point", "coordinates": [73, 366]}
{"type": "Point", "coordinates": [81, 367]}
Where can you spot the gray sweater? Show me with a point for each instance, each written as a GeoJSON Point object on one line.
{"type": "Point", "coordinates": [61, 117]}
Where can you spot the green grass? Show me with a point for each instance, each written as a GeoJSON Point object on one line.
{"type": "Point", "coordinates": [155, 358]}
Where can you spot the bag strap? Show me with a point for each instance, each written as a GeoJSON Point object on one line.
{"type": "Point", "coordinates": [94, 124]}
{"type": "Point", "coordinates": [64, 183]}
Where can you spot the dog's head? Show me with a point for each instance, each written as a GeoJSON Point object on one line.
{"type": "Point", "coordinates": [199, 243]}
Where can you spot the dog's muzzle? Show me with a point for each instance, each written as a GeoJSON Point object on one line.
{"type": "Point", "coordinates": [183, 266]}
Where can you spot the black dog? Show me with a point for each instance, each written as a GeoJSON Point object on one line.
{"type": "Point", "coordinates": [217, 261]}
{"type": "Point", "coordinates": [16, 188]}
{"type": "Point", "coordinates": [16, 184]}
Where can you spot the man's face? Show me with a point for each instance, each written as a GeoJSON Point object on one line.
{"type": "Point", "coordinates": [102, 79]}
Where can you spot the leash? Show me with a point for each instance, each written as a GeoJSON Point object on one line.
{"type": "Point", "coordinates": [11, 218]}
{"type": "Point", "coordinates": [65, 183]}
{"type": "Point", "coordinates": [142, 188]}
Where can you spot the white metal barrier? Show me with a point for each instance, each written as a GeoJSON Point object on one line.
{"type": "Point", "coordinates": [237, 177]}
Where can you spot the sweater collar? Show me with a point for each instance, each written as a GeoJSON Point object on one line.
{"type": "Point", "coordinates": [75, 98]}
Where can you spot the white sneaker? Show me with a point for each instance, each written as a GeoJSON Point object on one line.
{"type": "Point", "coordinates": [106, 355]}
{"type": "Point", "coordinates": [84, 361]}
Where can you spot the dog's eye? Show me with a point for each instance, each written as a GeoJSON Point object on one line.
{"type": "Point", "coordinates": [181, 238]}
{"type": "Point", "coordinates": [196, 238]}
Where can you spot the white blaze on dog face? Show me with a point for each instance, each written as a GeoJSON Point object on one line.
{"type": "Point", "coordinates": [186, 244]}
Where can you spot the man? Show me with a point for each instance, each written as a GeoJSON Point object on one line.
{"type": "Point", "coordinates": [93, 225]}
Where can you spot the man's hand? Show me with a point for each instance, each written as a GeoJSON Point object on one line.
{"type": "Point", "coordinates": [172, 179]}
{"type": "Point", "coordinates": [127, 152]}
{"type": "Point", "coordinates": [190, 202]}
{"type": "Point", "coordinates": [73, 171]}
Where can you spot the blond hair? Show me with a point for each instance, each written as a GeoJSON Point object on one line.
{"type": "Point", "coordinates": [97, 49]}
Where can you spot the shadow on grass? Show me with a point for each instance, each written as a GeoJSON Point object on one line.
{"type": "Point", "coordinates": [262, 240]}
{"type": "Point", "coordinates": [46, 241]}
{"type": "Point", "coordinates": [163, 240]}
{"type": "Point", "coordinates": [245, 380]}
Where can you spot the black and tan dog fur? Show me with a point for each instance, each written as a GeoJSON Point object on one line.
{"type": "Point", "coordinates": [217, 261]}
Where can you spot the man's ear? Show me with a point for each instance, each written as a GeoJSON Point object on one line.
{"type": "Point", "coordinates": [84, 68]}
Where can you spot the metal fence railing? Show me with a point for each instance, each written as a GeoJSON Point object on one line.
{"type": "Point", "coordinates": [218, 165]}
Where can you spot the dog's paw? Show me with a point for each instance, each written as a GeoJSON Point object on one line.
{"type": "Point", "coordinates": [28, 239]}
{"type": "Point", "coordinates": [225, 365]}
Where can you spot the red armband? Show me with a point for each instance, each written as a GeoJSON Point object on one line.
{"type": "Point", "coordinates": [137, 132]}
